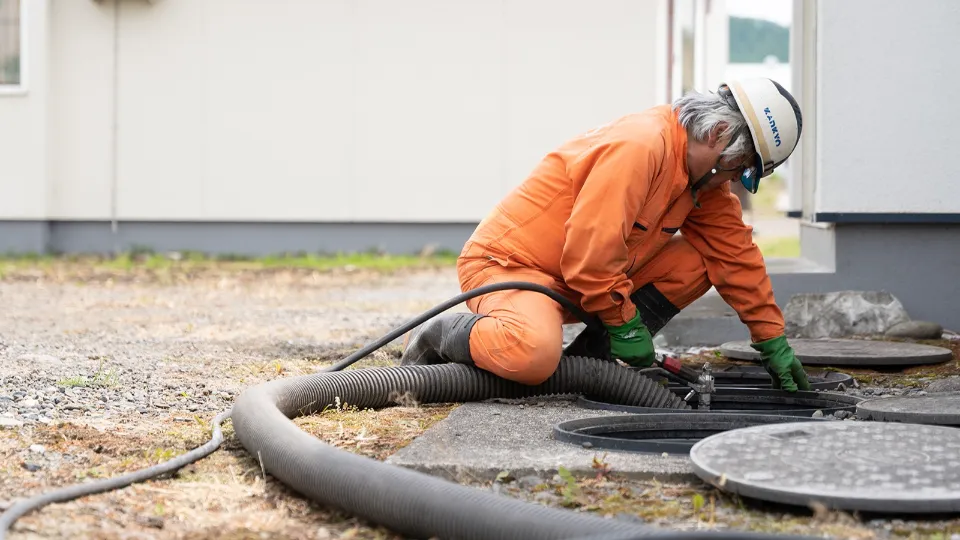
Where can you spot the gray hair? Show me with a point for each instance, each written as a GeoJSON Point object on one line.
{"type": "Point", "coordinates": [700, 113]}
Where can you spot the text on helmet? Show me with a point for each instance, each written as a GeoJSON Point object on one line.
{"type": "Point", "coordinates": [773, 126]}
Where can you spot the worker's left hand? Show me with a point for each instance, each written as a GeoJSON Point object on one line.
{"type": "Point", "coordinates": [778, 358]}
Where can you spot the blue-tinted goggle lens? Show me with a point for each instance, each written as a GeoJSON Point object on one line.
{"type": "Point", "coordinates": [750, 179]}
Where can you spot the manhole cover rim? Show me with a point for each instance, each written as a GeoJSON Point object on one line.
{"type": "Point", "coordinates": [871, 409]}
{"type": "Point", "coordinates": [841, 402]}
{"type": "Point", "coordinates": [569, 431]}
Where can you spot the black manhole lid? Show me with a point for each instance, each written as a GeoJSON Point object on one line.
{"type": "Point", "coordinates": [942, 409]}
{"type": "Point", "coordinates": [673, 433]}
{"type": "Point", "coordinates": [749, 400]}
{"type": "Point", "coordinates": [865, 466]}
{"type": "Point", "coordinates": [849, 352]}
{"type": "Point", "coordinates": [757, 377]}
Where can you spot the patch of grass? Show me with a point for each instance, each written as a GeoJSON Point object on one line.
{"type": "Point", "coordinates": [146, 260]}
{"type": "Point", "coordinates": [101, 378]}
{"type": "Point", "coordinates": [376, 433]}
{"type": "Point", "coordinates": [783, 247]}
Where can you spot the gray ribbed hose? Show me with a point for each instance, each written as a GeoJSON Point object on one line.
{"type": "Point", "coordinates": [406, 501]}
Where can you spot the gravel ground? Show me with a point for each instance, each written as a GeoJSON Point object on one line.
{"type": "Point", "coordinates": [104, 351]}
{"type": "Point", "coordinates": [105, 372]}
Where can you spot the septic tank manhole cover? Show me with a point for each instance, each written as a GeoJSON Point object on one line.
{"type": "Point", "coordinates": [942, 409]}
{"type": "Point", "coordinates": [848, 352]}
{"type": "Point", "coordinates": [866, 466]}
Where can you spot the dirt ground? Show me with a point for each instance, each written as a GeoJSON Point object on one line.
{"type": "Point", "coordinates": [105, 371]}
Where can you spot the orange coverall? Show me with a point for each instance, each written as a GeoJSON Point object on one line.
{"type": "Point", "coordinates": [596, 220]}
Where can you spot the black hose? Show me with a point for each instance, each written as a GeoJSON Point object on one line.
{"type": "Point", "coordinates": [588, 320]}
{"type": "Point", "coordinates": [409, 502]}
{"type": "Point", "coordinates": [99, 486]}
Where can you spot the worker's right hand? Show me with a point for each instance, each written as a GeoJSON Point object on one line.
{"type": "Point", "coordinates": [632, 343]}
{"type": "Point", "coordinates": [778, 358]}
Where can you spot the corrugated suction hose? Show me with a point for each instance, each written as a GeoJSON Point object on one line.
{"type": "Point", "coordinates": [406, 501]}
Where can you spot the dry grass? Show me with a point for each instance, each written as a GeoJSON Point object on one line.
{"type": "Point", "coordinates": [374, 433]}
{"type": "Point", "coordinates": [224, 495]}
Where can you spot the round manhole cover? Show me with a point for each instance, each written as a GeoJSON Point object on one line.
{"type": "Point", "coordinates": [849, 352]}
{"type": "Point", "coordinates": [942, 409]}
{"type": "Point", "coordinates": [866, 466]}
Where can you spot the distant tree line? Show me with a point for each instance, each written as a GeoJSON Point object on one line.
{"type": "Point", "coordinates": [752, 40]}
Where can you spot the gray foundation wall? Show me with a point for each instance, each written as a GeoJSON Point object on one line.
{"type": "Point", "coordinates": [229, 238]}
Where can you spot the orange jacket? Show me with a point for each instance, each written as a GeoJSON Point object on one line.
{"type": "Point", "coordinates": [601, 205]}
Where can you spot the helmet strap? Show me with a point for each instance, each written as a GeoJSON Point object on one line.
{"type": "Point", "coordinates": [695, 187]}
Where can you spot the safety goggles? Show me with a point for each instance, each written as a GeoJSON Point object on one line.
{"type": "Point", "coordinates": [749, 176]}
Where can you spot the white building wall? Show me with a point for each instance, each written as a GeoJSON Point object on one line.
{"type": "Point", "coordinates": [80, 107]}
{"type": "Point", "coordinates": [349, 110]}
{"type": "Point", "coordinates": [885, 124]}
{"type": "Point", "coordinates": [23, 123]}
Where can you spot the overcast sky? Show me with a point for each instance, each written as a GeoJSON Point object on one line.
{"type": "Point", "coordinates": [778, 11]}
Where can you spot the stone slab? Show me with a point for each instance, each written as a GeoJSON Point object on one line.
{"type": "Point", "coordinates": [942, 409]}
{"type": "Point", "coordinates": [859, 466]}
{"type": "Point", "coordinates": [481, 439]}
{"type": "Point", "coordinates": [849, 352]}
{"type": "Point", "coordinates": [842, 314]}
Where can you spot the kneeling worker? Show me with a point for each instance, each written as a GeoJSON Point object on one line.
{"type": "Point", "coordinates": [596, 221]}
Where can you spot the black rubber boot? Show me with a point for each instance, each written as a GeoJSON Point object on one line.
{"type": "Point", "coordinates": [444, 338]}
{"type": "Point", "coordinates": [655, 312]}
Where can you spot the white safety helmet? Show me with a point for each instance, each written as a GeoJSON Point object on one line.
{"type": "Point", "coordinates": [774, 119]}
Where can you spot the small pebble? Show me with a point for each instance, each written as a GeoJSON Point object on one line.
{"type": "Point", "coordinates": [530, 481]}
{"type": "Point", "coordinates": [37, 448]}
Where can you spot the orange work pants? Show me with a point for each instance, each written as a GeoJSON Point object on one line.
{"type": "Point", "coordinates": [521, 337]}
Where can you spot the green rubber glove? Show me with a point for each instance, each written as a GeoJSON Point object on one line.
{"type": "Point", "coordinates": [781, 363]}
{"type": "Point", "coordinates": [632, 343]}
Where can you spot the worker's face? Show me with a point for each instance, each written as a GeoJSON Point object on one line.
{"type": "Point", "coordinates": [728, 169]}
{"type": "Point", "coordinates": [708, 155]}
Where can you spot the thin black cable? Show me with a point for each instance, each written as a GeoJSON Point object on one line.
{"type": "Point", "coordinates": [462, 297]}
{"type": "Point", "coordinates": [99, 486]}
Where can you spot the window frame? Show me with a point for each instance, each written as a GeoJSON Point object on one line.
{"type": "Point", "coordinates": [22, 87]}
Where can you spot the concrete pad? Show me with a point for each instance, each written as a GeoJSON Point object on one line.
{"type": "Point", "coordinates": [479, 440]}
